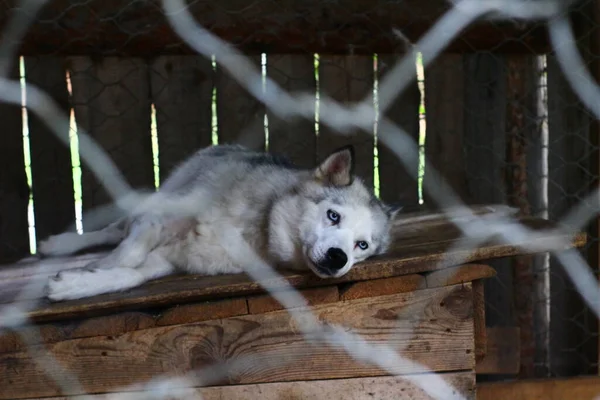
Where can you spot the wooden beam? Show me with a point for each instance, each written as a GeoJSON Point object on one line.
{"type": "Point", "coordinates": [581, 388]}
{"type": "Point", "coordinates": [380, 388]}
{"type": "Point", "coordinates": [123, 27]}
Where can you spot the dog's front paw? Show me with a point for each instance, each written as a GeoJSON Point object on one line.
{"type": "Point", "coordinates": [59, 245]}
{"type": "Point", "coordinates": [69, 285]}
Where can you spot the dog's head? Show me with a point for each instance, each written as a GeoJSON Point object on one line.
{"type": "Point", "coordinates": [341, 222]}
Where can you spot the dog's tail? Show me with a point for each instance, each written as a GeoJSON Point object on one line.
{"type": "Point", "coordinates": [71, 242]}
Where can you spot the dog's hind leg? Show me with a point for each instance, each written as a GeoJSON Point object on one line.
{"type": "Point", "coordinates": [81, 283]}
{"type": "Point", "coordinates": [71, 242]}
{"type": "Point", "coordinates": [144, 235]}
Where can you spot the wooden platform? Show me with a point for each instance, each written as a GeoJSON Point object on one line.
{"type": "Point", "coordinates": [425, 297]}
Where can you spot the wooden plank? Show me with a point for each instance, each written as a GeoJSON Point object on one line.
{"type": "Point", "coordinates": [384, 286]}
{"type": "Point", "coordinates": [310, 26]}
{"type": "Point", "coordinates": [347, 79]}
{"type": "Point", "coordinates": [14, 190]}
{"type": "Point", "coordinates": [103, 364]}
{"type": "Point", "coordinates": [296, 138]}
{"type": "Point", "coordinates": [240, 116]}
{"type": "Point", "coordinates": [111, 101]}
{"type": "Point", "coordinates": [188, 313]}
{"type": "Point", "coordinates": [380, 388]}
{"type": "Point", "coordinates": [502, 355]}
{"type": "Point", "coordinates": [580, 388]}
{"type": "Point", "coordinates": [396, 183]}
{"type": "Point", "coordinates": [266, 303]}
{"type": "Point", "coordinates": [460, 274]}
{"type": "Point", "coordinates": [182, 90]}
{"type": "Point", "coordinates": [51, 169]}
{"type": "Point", "coordinates": [120, 323]}
{"type": "Point", "coordinates": [408, 260]}
{"type": "Point", "coordinates": [571, 321]}
{"type": "Point", "coordinates": [445, 109]}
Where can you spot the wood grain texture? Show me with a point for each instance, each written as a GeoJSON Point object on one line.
{"type": "Point", "coordinates": [379, 388]}
{"type": "Point", "coordinates": [347, 80]}
{"type": "Point", "coordinates": [51, 169]}
{"type": "Point", "coordinates": [240, 116]}
{"type": "Point", "coordinates": [122, 322]}
{"type": "Point", "coordinates": [397, 184]}
{"type": "Point", "coordinates": [14, 190]}
{"type": "Point", "coordinates": [111, 98]}
{"type": "Point", "coordinates": [384, 286]}
{"type": "Point", "coordinates": [443, 342]}
{"type": "Point", "coordinates": [502, 355]}
{"type": "Point", "coordinates": [444, 105]}
{"type": "Point", "coordinates": [479, 326]}
{"type": "Point", "coordinates": [315, 296]}
{"type": "Point", "coordinates": [296, 137]}
{"type": "Point", "coordinates": [580, 388]}
{"type": "Point", "coordinates": [460, 274]}
{"type": "Point", "coordinates": [418, 255]}
{"type": "Point", "coordinates": [182, 90]}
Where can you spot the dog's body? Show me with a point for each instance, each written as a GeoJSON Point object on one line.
{"type": "Point", "coordinates": [323, 219]}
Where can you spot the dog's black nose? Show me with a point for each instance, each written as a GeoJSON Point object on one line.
{"type": "Point", "coordinates": [336, 258]}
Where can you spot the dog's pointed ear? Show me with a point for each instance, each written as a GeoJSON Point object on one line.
{"type": "Point", "coordinates": [338, 168]}
{"type": "Point", "coordinates": [392, 210]}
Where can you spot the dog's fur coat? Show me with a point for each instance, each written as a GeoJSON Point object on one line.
{"type": "Point", "coordinates": [324, 219]}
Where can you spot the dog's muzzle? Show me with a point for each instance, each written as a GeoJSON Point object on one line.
{"type": "Point", "coordinates": [335, 259]}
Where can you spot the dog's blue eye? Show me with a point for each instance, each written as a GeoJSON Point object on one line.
{"type": "Point", "coordinates": [333, 216]}
{"type": "Point", "coordinates": [363, 245]}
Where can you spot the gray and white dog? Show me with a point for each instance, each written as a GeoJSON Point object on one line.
{"type": "Point", "coordinates": [323, 219]}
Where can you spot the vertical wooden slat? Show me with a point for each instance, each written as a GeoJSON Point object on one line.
{"type": "Point", "coordinates": [568, 181]}
{"type": "Point", "coordinates": [396, 183]}
{"type": "Point", "coordinates": [347, 79]}
{"type": "Point", "coordinates": [484, 153]}
{"type": "Point", "coordinates": [295, 138]}
{"type": "Point", "coordinates": [51, 169]}
{"type": "Point", "coordinates": [522, 125]}
{"type": "Point", "coordinates": [182, 88]}
{"type": "Point", "coordinates": [240, 116]}
{"type": "Point", "coordinates": [112, 102]}
{"type": "Point", "coordinates": [14, 191]}
{"type": "Point", "coordinates": [444, 110]}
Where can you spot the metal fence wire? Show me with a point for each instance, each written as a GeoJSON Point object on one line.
{"type": "Point", "coordinates": [447, 103]}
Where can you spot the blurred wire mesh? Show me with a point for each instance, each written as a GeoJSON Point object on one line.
{"type": "Point", "coordinates": [493, 116]}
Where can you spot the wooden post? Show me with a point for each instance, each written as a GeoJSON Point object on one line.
{"type": "Point", "coordinates": [522, 123]}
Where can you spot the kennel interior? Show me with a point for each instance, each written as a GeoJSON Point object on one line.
{"type": "Point", "coordinates": [493, 114]}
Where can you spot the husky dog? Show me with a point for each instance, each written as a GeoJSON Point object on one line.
{"type": "Point", "coordinates": [323, 219]}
